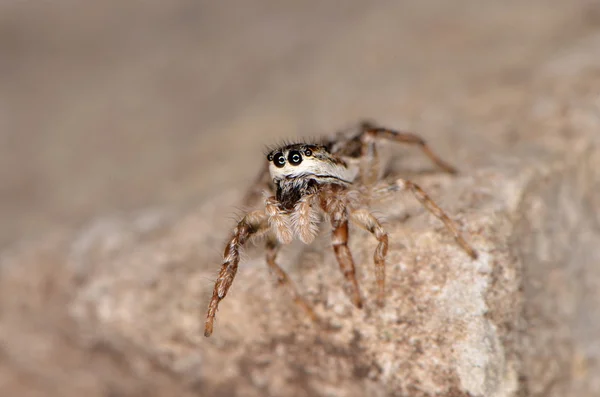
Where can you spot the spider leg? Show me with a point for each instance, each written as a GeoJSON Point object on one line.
{"type": "Point", "coordinates": [344, 256]}
{"type": "Point", "coordinates": [369, 159]}
{"type": "Point", "coordinates": [431, 206]}
{"type": "Point", "coordinates": [370, 133]}
{"type": "Point", "coordinates": [282, 278]}
{"type": "Point", "coordinates": [253, 223]}
{"type": "Point", "coordinates": [367, 221]}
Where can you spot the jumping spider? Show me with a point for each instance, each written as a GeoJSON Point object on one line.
{"type": "Point", "coordinates": [335, 179]}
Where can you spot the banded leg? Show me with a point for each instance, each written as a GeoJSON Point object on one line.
{"type": "Point", "coordinates": [369, 159]}
{"type": "Point", "coordinates": [344, 257]}
{"type": "Point", "coordinates": [431, 206]}
{"type": "Point", "coordinates": [367, 221]}
{"type": "Point", "coordinates": [371, 132]}
{"type": "Point", "coordinates": [252, 223]}
{"type": "Point", "coordinates": [284, 280]}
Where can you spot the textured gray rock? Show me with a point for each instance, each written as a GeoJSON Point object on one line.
{"type": "Point", "coordinates": [504, 323]}
{"type": "Point", "coordinates": [520, 320]}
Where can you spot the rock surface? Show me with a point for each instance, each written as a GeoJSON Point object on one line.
{"type": "Point", "coordinates": [117, 307]}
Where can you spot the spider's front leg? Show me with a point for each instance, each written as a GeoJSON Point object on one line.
{"type": "Point", "coordinates": [335, 204]}
{"type": "Point", "coordinates": [367, 221]}
{"type": "Point", "coordinates": [431, 206]}
{"type": "Point", "coordinates": [251, 224]}
{"type": "Point", "coordinates": [339, 240]}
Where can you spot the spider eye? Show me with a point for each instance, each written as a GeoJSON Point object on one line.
{"type": "Point", "coordinates": [278, 160]}
{"type": "Point", "coordinates": [295, 157]}
{"type": "Point", "coordinates": [308, 152]}
{"type": "Point", "coordinates": [269, 157]}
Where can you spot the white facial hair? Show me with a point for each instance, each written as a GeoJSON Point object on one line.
{"type": "Point", "coordinates": [314, 166]}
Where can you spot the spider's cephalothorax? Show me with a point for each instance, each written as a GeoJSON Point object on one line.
{"type": "Point", "coordinates": [334, 180]}
{"type": "Point", "coordinates": [298, 170]}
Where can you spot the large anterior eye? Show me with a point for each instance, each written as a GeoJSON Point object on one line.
{"type": "Point", "coordinates": [294, 157]}
{"type": "Point", "coordinates": [278, 160]}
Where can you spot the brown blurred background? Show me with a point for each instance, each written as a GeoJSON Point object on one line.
{"type": "Point", "coordinates": [110, 106]}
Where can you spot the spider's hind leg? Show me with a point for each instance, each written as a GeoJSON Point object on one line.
{"type": "Point", "coordinates": [431, 206]}
{"type": "Point", "coordinates": [369, 163]}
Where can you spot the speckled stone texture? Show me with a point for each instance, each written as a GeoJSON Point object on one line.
{"type": "Point", "coordinates": [116, 307]}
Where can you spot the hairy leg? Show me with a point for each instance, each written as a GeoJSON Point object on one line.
{"type": "Point", "coordinates": [252, 223]}
{"type": "Point", "coordinates": [370, 133]}
{"type": "Point", "coordinates": [369, 159]}
{"type": "Point", "coordinates": [431, 206]}
{"type": "Point", "coordinates": [344, 256]}
{"type": "Point", "coordinates": [284, 280]}
{"type": "Point", "coordinates": [367, 221]}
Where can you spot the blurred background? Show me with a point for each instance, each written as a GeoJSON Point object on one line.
{"type": "Point", "coordinates": [116, 105]}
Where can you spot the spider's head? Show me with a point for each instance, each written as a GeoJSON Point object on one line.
{"type": "Point", "coordinates": [302, 160]}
